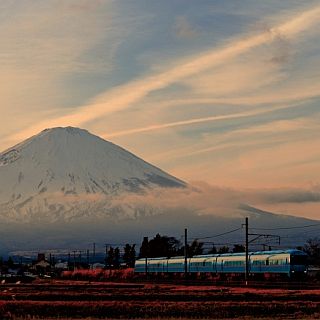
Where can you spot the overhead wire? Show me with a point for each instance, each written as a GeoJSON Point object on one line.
{"type": "Point", "coordinates": [287, 228]}
{"type": "Point", "coordinates": [217, 235]}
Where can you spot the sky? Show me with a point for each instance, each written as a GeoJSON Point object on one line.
{"type": "Point", "coordinates": [223, 92]}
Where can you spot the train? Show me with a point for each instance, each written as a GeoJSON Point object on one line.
{"type": "Point", "coordinates": [289, 263]}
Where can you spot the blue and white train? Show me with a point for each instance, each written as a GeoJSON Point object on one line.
{"type": "Point", "coordinates": [282, 262]}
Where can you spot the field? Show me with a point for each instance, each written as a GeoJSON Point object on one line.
{"type": "Point", "coordinates": [67, 299]}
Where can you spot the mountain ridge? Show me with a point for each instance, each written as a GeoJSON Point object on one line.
{"type": "Point", "coordinates": [65, 162]}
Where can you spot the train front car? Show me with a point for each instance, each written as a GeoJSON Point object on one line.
{"type": "Point", "coordinates": [278, 263]}
{"type": "Point", "coordinates": [298, 264]}
{"type": "Point", "coordinates": [271, 263]}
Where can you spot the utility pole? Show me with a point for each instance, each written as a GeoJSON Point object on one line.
{"type": "Point", "coordinates": [185, 253]}
{"type": "Point", "coordinates": [247, 252]}
{"type": "Point", "coordinates": [146, 240]}
{"type": "Point", "coordinates": [74, 260]}
{"type": "Point", "coordinates": [106, 258]}
{"type": "Point", "coordinates": [88, 257]}
{"type": "Point", "coordinates": [257, 237]}
{"type": "Point", "coordinates": [94, 252]}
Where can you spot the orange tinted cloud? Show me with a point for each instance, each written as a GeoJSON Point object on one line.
{"type": "Point", "coordinates": [124, 96]}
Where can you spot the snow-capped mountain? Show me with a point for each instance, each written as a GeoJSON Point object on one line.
{"type": "Point", "coordinates": [62, 173]}
{"type": "Point", "coordinates": [66, 187]}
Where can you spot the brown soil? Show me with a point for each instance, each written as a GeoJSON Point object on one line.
{"type": "Point", "coordinates": [98, 300]}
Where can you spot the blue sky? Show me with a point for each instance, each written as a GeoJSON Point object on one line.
{"type": "Point", "coordinates": [225, 92]}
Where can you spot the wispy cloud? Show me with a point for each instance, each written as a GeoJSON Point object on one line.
{"type": "Point", "coordinates": [184, 29]}
{"type": "Point", "coordinates": [124, 96]}
{"type": "Point", "coordinates": [43, 47]}
{"type": "Point", "coordinates": [192, 121]}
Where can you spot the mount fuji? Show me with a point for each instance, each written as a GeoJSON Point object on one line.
{"type": "Point", "coordinates": [65, 188]}
{"type": "Point", "coordinates": [67, 173]}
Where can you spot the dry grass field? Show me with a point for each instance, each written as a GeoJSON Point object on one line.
{"type": "Point", "coordinates": [101, 300]}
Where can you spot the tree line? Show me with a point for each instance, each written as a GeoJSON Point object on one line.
{"type": "Point", "coordinates": [164, 246]}
{"type": "Point", "coordinates": [160, 246]}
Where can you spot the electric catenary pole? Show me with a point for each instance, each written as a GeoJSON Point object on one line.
{"type": "Point", "coordinates": [247, 252]}
{"type": "Point", "coordinates": [185, 253]}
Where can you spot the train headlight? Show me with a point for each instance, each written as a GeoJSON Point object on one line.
{"type": "Point", "coordinates": [292, 271]}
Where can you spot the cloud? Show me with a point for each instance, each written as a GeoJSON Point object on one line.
{"type": "Point", "coordinates": [183, 28]}
{"type": "Point", "coordinates": [124, 96]}
{"type": "Point", "coordinates": [267, 161]}
{"type": "Point", "coordinates": [202, 198]}
{"type": "Point", "coordinates": [191, 121]}
{"type": "Point", "coordinates": [293, 196]}
{"type": "Point", "coordinates": [279, 130]}
{"type": "Point", "coordinates": [42, 47]}
{"type": "Point", "coordinates": [282, 50]}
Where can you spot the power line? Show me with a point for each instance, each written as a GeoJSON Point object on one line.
{"type": "Point", "coordinates": [207, 243]}
{"type": "Point", "coordinates": [217, 235]}
{"type": "Point", "coordinates": [288, 228]}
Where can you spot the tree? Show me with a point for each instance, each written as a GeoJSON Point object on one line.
{"type": "Point", "coordinates": [10, 262]}
{"type": "Point", "coordinates": [312, 248]}
{"type": "Point", "coordinates": [194, 249]}
{"type": "Point", "coordinates": [110, 258]}
{"type": "Point", "coordinates": [238, 248]}
{"type": "Point", "coordinates": [129, 255]}
{"type": "Point", "coordinates": [223, 249]}
{"type": "Point", "coordinates": [116, 261]}
{"type": "Point", "coordinates": [213, 250]}
{"type": "Point", "coordinates": [144, 249]}
{"type": "Point", "coordinates": [159, 246]}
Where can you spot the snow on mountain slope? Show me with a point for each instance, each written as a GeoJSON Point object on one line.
{"type": "Point", "coordinates": [62, 173]}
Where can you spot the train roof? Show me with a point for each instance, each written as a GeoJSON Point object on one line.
{"type": "Point", "coordinates": [270, 252]}
{"type": "Point", "coordinates": [289, 251]}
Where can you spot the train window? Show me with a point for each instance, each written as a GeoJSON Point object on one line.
{"type": "Point", "coordinates": [275, 262]}
{"type": "Point", "coordinates": [267, 262]}
{"type": "Point", "coordinates": [233, 263]}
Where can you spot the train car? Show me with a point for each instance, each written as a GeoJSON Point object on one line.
{"type": "Point", "coordinates": [287, 262]}
{"type": "Point", "coordinates": [175, 265]}
{"type": "Point", "coordinates": [158, 265]}
{"type": "Point", "coordinates": [281, 262]}
{"type": "Point", "coordinates": [231, 263]}
{"type": "Point", "coordinates": [202, 264]}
